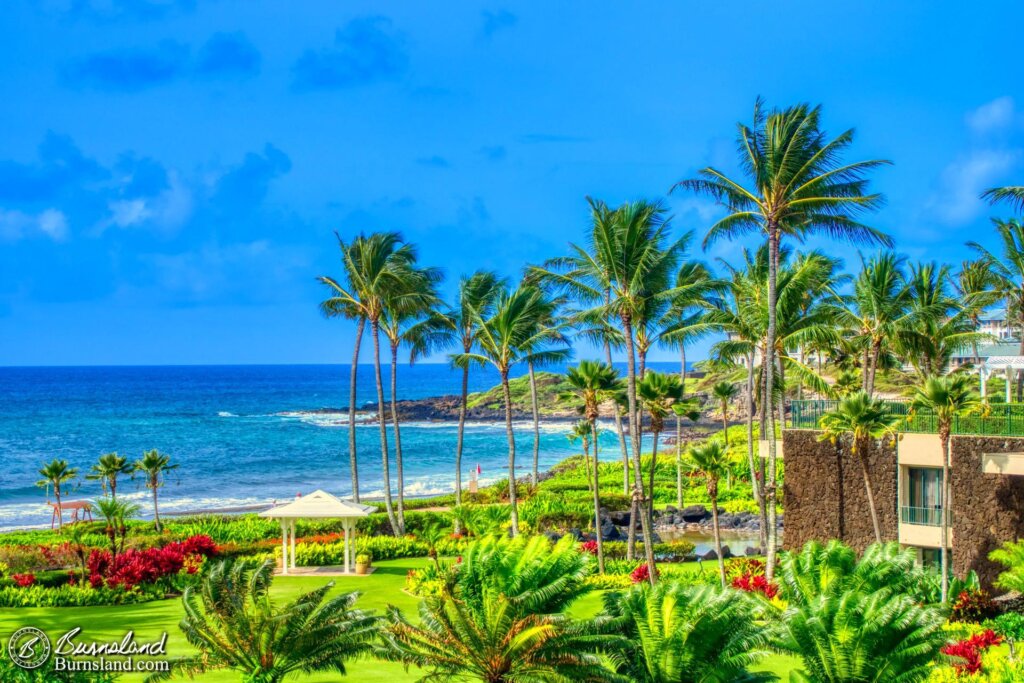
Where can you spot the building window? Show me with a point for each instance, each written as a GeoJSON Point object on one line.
{"type": "Point", "coordinates": [924, 502]}
{"type": "Point", "coordinates": [931, 557]}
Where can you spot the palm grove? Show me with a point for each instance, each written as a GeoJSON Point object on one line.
{"type": "Point", "coordinates": [631, 285]}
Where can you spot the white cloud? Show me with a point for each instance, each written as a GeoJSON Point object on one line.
{"type": "Point", "coordinates": [166, 211]}
{"type": "Point", "coordinates": [961, 182]}
{"type": "Point", "coordinates": [992, 116]}
{"type": "Point", "coordinates": [16, 225]}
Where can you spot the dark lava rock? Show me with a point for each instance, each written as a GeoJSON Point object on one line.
{"type": "Point", "coordinates": [694, 513]}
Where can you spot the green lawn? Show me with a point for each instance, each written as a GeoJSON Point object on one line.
{"type": "Point", "coordinates": [149, 620]}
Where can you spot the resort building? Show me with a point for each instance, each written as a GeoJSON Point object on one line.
{"type": "Point", "coordinates": [824, 494]}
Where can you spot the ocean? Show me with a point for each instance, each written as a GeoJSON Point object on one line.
{"type": "Point", "coordinates": [242, 435]}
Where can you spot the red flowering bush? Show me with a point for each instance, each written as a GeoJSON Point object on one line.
{"type": "Point", "coordinates": [973, 604]}
{"type": "Point", "coordinates": [756, 583]}
{"type": "Point", "coordinates": [744, 566]}
{"type": "Point", "coordinates": [24, 580]}
{"type": "Point", "coordinates": [641, 574]}
{"type": "Point", "coordinates": [589, 547]}
{"type": "Point", "coordinates": [969, 651]}
{"type": "Point", "coordinates": [134, 567]}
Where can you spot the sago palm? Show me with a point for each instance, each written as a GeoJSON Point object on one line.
{"type": "Point", "coordinates": [515, 330]}
{"type": "Point", "coordinates": [594, 383]}
{"type": "Point", "coordinates": [153, 466]}
{"type": "Point", "coordinates": [947, 397]}
{"type": "Point", "coordinates": [855, 621]}
{"type": "Point", "coordinates": [688, 634]}
{"type": "Point", "coordinates": [57, 474]}
{"type": "Point", "coordinates": [233, 623]}
{"type": "Point", "coordinates": [500, 619]}
{"type": "Point", "coordinates": [107, 469]}
{"type": "Point", "coordinates": [711, 461]}
{"type": "Point", "coordinates": [796, 183]}
{"type": "Point", "coordinates": [859, 419]}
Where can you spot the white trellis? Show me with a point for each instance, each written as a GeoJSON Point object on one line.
{"type": "Point", "coordinates": [995, 364]}
{"type": "Point", "coordinates": [317, 505]}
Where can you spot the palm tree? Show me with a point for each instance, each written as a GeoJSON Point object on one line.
{"type": "Point", "coordinates": [514, 331]}
{"type": "Point", "coordinates": [799, 185]}
{"type": "Point", "coordinates": [116, 513]}
{"type": "Point", "coordinates": [500, 618]}
{"type": "Point", "coordinates": [154, 466]}
{"type": "Point", "coordinates": [659, 395]}
{"type": "Point", "coordinates": [860, 419]}
{"type": "Point", "coordinates": [408, 318]}
{"type": "Point", "coordinates": [594, 382]}
{"type": "Point", "coordinates": [56, 473]}
{"type": "Point", "coordinates": [1007, 270]}
{"type": "Point", "coordinates": [374, 265]}
{"type": "Point", "coordinates": [974, 291]}
{"type": "Point", "coordinates": [1014, 194]}
{"type": "Point", "coordinates": [711, 460]}
{"type": "Point", "coordinates": [556, 326]}
{"type": "Point", "coordinates": [725, 393]}
{"type": "Point", "coordinates": [688, 634]}
{"type": "Point", "coordinates": [947, 397]}
{"type": "Point", "coordinates": [232, 621]}
{"type": "Point", "coordinates": [474, 301]}
{"type": "Point", "coordinates": [580, 433]}
{"type": "Point", "coordinates": [107, 469]}
{"type": "Point", "coordinates": [855, 621]}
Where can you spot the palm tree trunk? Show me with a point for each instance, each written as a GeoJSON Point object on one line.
{"type": "Point", "coordinates": [511, 451]}
{"type": "Point", "coordinates": [618, 422]}
{"type": "Point", "coordinates": [586, 464]}
{"type": "Point", "coordinates": [755, 481]}
{"type": "Point", "coordinates": [863, 458]}
{"type": "Point", "coordinates": [536, 423]}
{"type": "Point", "coordinates": [876, 352]}
{"type": "Point", "coordinates": [156, 508]}
{"type": "Point", "coordinates": [464, 398]}
{"type": "Point", "coordinates": [385, 464]}
{"type": "Point", "coordinates": [635, 426]}
{"type": "Point", "coordinates": [654, 467]}
{"type": "Point", "coordinates": [679, 430]}
{"type": "Point", "coordinates": [946, 507]}
{"type": "Point", "coordinates": [60, 513]}
{"type": "Point", "coordinates": [718, 535]}
{"type": "Point", "coordinates": [597, 501]}
{"type": "Point", "coordinates": [769, 365]}
{"type": "Point", "coordinates": [398, 438]}
{"type": "Point", "coordinates": [113, 487]}
{"type": "Point", "coordinates": [725, 422]}
{"type": "Point", "coordinates": [352, 409]}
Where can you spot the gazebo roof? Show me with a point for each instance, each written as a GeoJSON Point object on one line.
{"type": "Point", "coordinates": [318, 504]}
{"type": "Point", "coordinates": [1001, 362]}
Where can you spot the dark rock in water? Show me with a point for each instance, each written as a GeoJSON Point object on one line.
{"type": "Point", "coordinates": [726, 552]}
{"type": "Point", "coordinates": [671, 509]}
{"type": "Point", "coordinates": [694, 513]}
{"type": "Point", "coordinates": [709, 555]}
{"type": "Point", "coordinates": [619, 517]}
{"type": "Point", "coordinates": [610, 532]}
{"type": "Point", "coordinates": [751, 551]}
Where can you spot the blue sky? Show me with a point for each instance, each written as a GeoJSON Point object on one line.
{"type": "Point", "coordinates": [172, 171]}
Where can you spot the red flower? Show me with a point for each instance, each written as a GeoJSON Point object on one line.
{"type": "Point", "coordinates": [589, 547]}
{"type": "Point", "coordinates": [133, 567]}
{"type": "Point", "coordinates": [24, 580]}
{"type": "Point", "coordinates": [641, 574]}
{"type": "Point", "coordinates": [969, 651]}
{"type": "Point", "coordinates": [756, 583]}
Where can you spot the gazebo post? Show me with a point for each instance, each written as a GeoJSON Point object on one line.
{"type": "Point", "coordinates": [293, 543]}
{"type": "Point", "coordinates": [348, 524]}
{"type": "Point", "coordinates": [284, 547]}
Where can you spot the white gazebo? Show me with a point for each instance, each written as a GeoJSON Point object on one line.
{"type": "Point", "coordinates": [994, 364]}
{"type": "Point", "coordinates": [317, 505]}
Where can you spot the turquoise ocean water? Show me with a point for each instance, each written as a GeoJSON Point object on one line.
{"type": "Point", "coordinates": [242, 434]}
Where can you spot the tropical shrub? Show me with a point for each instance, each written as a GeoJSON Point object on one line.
{"type": "Point", "coordinates": [232, 603]}
{"type": "Point", "coordinates": [134, 567]}
{"type": "Point", "coordinates": [1011, 556]}
{"type": "Point", "coordinates": [1010, 626]}
{"type": "Point", "coordinates": [684, 634]}
{"type": "Point", "coordinates": [972, 605]}
{"type": "Point", "coordinates": [967, 653]}
{"type": "Point", "coordinates": [73, 595]}
{"type": "Point", "coordinates": [502, 618]}
{"type": "Point", "coordinates": [640, 574]}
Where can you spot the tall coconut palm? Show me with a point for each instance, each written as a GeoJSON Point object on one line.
{"type": "Point", "coordinates": [1007, 269]}
{"type": "Point", "coordinates": [232, 621]}
{"type": "Point", "coordinates": [1013, 194]}
{"type": "Point", "coordinates": [799, 184]}
{"type": "Point", "coordinates": [409, 319]}
{"type": "Point", "coordinates": [514, 331]}
{"type": "Point", "coordinates": [659, 396]}
{"type": "Point", "coordinates": [711, 460]}
{"type": "Point", "coordinates": [154, 466]}
{"type": "Point", "coordinates": [594, 383]}
{"type": "Point", "coordinates": [580, 433]}
{"type": "Point", "coordinates": [107, 469]}
{"type": "Point", "coordinates": [500, 619]}
{"type": "Point", "coordinates": [56, 473]}
{"type": "Point", "coordinates": [860, 419]}
{"type": "Point", "coordinates": [374, 265]}
{"type": "Point", "coordinates": [474, 301]}
{"type": "Point", "coordinates": [974, 289]}
{"type": "Point", "coordinates": [947, 397]}
{"type": "Point", "coordinates": [725, 393]}
{"type": "Point", "coordinates": [688, 634]}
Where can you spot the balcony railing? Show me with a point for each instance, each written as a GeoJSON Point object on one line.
{"type": "Point", "coordinates": [997, 419]}
{"type": "Point", "coordinates": [921, 516]}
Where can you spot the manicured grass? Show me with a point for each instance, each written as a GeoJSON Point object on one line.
{"type": "Point", "coordinates": [149, 620]}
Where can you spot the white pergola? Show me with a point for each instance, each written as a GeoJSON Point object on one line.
{"type": "Point", "coordinates": [994, 364]}
{"type": "Point", "coordinates": [317, 505]}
